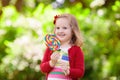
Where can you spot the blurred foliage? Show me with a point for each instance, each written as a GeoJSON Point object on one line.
{"type": "Point", "coordinates": [24, 23]}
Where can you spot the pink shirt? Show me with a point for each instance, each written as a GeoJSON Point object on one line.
{"type": "Point", "coordinates": [57, 73]}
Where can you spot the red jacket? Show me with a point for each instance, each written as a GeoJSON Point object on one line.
{"type": "Point", "coordinates": [76, 58]}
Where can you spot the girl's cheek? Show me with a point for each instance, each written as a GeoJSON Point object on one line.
{"type": "Point", "coordinates": [54, 31]}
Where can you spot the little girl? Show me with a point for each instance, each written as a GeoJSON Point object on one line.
{"type": "Point", "coordinates": [68, 63]}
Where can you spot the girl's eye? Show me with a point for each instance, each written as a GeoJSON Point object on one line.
{"type": "Point", "coordinates": [57, 27]}
{"type": "Point", "coordinates": [64, 27]}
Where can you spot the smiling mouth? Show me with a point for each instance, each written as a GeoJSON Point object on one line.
{"type": "Point", "coordinates": [61, 35]}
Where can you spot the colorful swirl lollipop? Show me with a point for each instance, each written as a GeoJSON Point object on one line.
{"type": "Point", "coordinates": [52, 42]}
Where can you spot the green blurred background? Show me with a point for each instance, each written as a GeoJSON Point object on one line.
{"type": "Point", "coordinates": [23, 24]}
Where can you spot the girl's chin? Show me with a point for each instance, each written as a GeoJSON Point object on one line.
{"type": "Point", "coordinates": [61, 39]}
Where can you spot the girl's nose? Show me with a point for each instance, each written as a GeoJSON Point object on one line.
{"type": "Point", "coordinates": [60, 30]}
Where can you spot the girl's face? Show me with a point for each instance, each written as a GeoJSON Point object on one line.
{"type": "Point", "coordinates": [63, 30]}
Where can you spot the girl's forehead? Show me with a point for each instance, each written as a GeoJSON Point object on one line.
{"type": "Point", "coordinates": [62, 21]}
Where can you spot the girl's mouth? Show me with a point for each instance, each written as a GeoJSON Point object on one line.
{"type": "Point", "coordinates": [61, 35]}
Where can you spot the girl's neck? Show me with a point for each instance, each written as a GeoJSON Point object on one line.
{"type": "Point", "coordinates": [65, 44]}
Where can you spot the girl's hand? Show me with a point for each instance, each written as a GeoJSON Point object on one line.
{"type": "Point", "coordinates": [54, 57]}
{"type": "Point", "coordinates": [65, 68]}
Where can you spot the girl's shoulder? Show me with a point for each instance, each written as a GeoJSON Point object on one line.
{"type": "Point", "coordinates": [75, 47]}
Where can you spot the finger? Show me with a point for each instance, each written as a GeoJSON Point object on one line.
{"type": "Point", "coordinates": [55, 57]}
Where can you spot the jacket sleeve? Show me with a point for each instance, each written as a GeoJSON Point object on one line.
{"type": "Point", "coordinates": [45, 66]}
{"type": "Point", "coordinates": [78, 70]}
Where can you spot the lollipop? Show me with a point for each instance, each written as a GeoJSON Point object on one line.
{"type": "Point", "coordinates": [52, 42]}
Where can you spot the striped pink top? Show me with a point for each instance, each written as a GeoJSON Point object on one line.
{"type": "Point", "coordinates": [57, 73]}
